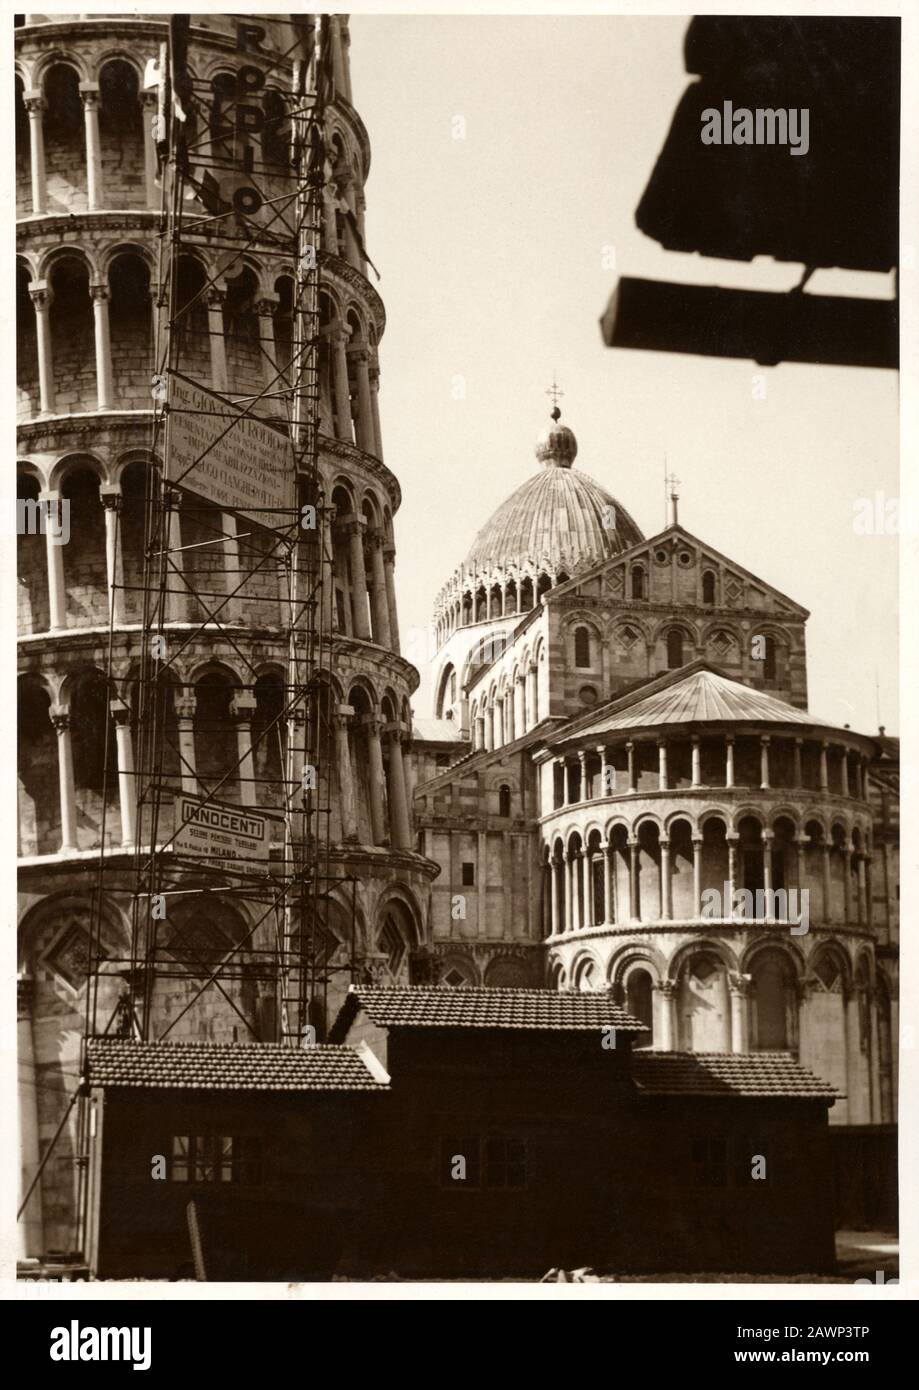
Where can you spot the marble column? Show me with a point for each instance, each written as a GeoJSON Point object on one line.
{"type": "Point", "coordinates": [633, 771]}
{"type": "Point", "coordinates": [732, 875]}
{"type": "Point", "coordinates": [34, 103]}
{"type": "Point", "coordinates": [847, 881]}
{"type": "Point", "coordinates": [374, 375]}
{"type": "Point", "coordinates": [666, 992]}
{"type": "Point", "coordinates": [827, 899]}
{"type": "Point", "coordinates": [576, 884]}
{"type": "Point", "coordinates": [242, 710]}
{"type": "Point", "coordinates": [666, 908]}
{"type": "Point", "coordinates": [40, 295]}
{"type": "Point", "coordinates": [566, 870]}
{"type": "Point", "coordinates": [266, 308]}
{"type": "Point", "coordinates": [110, 496]}
{"type": "Point", "coordinates": [339, 341]}
{"type": "Point", "coordinates": [359, 608]}
{"type": "Point", "coordinates": [739, 990]}
{"type": "Point", "coordinates": [767, 874]}
{"type": "Point", "coordinates": [532, 695]}
{"type": "Point", "coordinates": [57, 594]}
{"type": "Point", "coordinates": [148, 103]}
{"type": "Point", "coordinates": [89, 95]}
{"type": "Point", "coordinates": [799, 767]}
{"type": "Point", "coordinates": [633, 881]}
{"type": "Point", "coordinates": [824, 780]}
{"type": "Point", "coordinates": [582, 764]}
{"type": "Point", "coordinates": [499, 723]}
{"type": "Point", "coordinates": [60, 718]}
{"type": "Point", "coordinates": [587, 886]}
{"type": "Point", "coordinates": [127, 791]}
{"type": "Point", "coordinates": [389, 565]}
{"type": "Point", "coordinates": [214, 297]}
{"type": "Point", "coordinates": [378, 597]}
{"type": "Point", "coordinates": [696, 761]}
{"type": "Point", "coordinates": [844, 771]}
{"type": "Point", "coordinates": [729, 762]}
{"type": "Point", "coordinates": [553, 905]}
{"type": "Point", "coordinates": [764, 762]}
{"type": "Point", "coordinates": [185, 707]}
{"type": "Point", "coordinates": [373, 725]}
{"type": "Point", "coordinates": [608, 906]}
{"type": "Point", "coordinates": [30, 1227]}
{"type": "Point", "coordinates": [697, 843]}
{"type": "Point", "coordinates": [104, 385]}
{"type": "Point", "coordinates": [364, 433]}
{"type": "Point", "coordinates": [662, 782]}
{"type": "Point", "coordinates": [343, 716]}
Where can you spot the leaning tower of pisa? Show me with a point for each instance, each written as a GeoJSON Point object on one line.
{"type": "Point", "coordinates": [89, 216]}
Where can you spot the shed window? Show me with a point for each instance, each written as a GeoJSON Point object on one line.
{"type": "Point", "coordinates": [504, 801]}
{"type": "Point", "coordinates": [468, 874]}
{"type": "Point", "coordinates": [581, 646]}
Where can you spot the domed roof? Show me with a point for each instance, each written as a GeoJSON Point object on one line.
{"type": "Point", "coordinates": [559, 516]}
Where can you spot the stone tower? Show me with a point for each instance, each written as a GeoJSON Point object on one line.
{"type": "Point", "coordinates": [89, 200]}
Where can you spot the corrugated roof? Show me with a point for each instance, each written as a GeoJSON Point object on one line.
{"type": "Point", "coordinates": [480, 1007]}
{"type": "Point", "coordinates": [124, 1062]}
{"type": "Point", "coordinates": [727, 1074]}
{"type": "Point", "coordinates": [700, 696]}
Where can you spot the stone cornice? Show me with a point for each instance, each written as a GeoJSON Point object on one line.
{"type": "Point", "coordinates": [53, 225]}
{"type": "Point", "coordinates": [350, 453]}
{"type": "Point", "coordinates": [47, 430]}
{"type": "Point", "coordinates": [360, 284]}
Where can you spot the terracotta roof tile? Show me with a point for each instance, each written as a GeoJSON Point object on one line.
{"type": "Point", "coordinates": [479, 1007]}
{"type": "Point", "coordinates": [727, 1074]}
{"type": "Point", "coordinates": [226, 1066]}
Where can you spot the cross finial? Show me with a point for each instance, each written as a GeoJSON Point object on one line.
{"type": "Point", "coordinates": [673, 483]}
{"type": "Point", "coordinates": [555, 392]}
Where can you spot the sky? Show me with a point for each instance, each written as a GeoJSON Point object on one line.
{"type": "Point", "coordinates": [495, 252]}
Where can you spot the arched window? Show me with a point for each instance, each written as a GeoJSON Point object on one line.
{"type": "Point", "coordinates": [638, 581]}
{"type": "Point", "coordinates": [504, 801]}
{"type": "Point", "coordinates": [674, 649]}
{"type": "Point", "coordinates": [708, 587]}
{"type": "Point", "coordinates": [582, 646]}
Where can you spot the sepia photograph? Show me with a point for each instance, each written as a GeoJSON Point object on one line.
{"type": "Point", "coordinates": [458, 519]}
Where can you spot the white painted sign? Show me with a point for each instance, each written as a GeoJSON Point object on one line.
{"type": "Point", "coordinates": [239, 463]}
{"type": "Point", "coordinates": [216, 830]}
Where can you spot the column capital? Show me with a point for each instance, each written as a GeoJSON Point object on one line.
{"type": "Point", "coordinates": [99, 290]}
{"type": "Point", "coordinates": [110, 496]}
{"type": "Point", "coordinates": [60, 718]}
{"type": "Point", "coordinates": [148, 98]}
{"type": "Point", "coordinates": [243, 706]}
{"type": "Point", "coordinates": [372, 722]}
{"type": "Point", "coordinates": [89, 95]}
{"type": "Point", "coordinates": [739, 984]}
{"type": "Point", "coordinates": [215, 295]}
{"type": "Point", "coordinates": [40, 293]}
{"type": "Point", "coordinates": [25, 994]}
{"type": "Point", "coordinates": [120, 712]}
{"type": "Point", "coordinates": [697, 840]}
{"type": "Point", "coordinates": [667, 988]}
{"type": "Point", "coordinates": [34, 101]}
{"type": "Point", "coordinates": [186, 706]}
{"type": "Point", "coordinates": [664, 841]}
{"type": "Point", "coordinates": [266, 305]}
{"type": "Point", "coordinates": [765, 738]}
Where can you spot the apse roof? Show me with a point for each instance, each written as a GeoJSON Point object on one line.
{"type": "Point", "coordinates": [698, 694]}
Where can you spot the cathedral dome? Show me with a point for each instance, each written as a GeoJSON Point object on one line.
{"type": "Point", "coordinates": [559, 517]}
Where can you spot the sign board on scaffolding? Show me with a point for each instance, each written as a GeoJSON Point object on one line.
{"type": "Point", "coordinates": [237, 461]}
{"type": "Point", "coordinates": [218, 831]}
